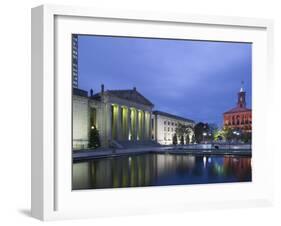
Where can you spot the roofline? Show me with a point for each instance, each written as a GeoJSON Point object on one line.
{"type": "Point", "coordinates": [229, 112]}
{"type": "Point", "coordinates": [126, 90]}
{"type": "Point", "coordinates": [172, 116]}
{"type": "Point", "coordinates": [79, 92]}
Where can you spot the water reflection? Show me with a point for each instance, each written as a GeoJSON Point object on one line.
{"type": "Point", "coordinates": [159, 169]}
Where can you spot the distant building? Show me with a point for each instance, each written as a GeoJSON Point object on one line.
{"type": "Point", "coordinates": [164, 127]}
{"type": "Point", "coordinates": [239, 117]}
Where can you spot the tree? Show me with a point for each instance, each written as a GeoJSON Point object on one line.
{"type": "Point", "coordinates": [187, 140]}
{"type": "Point", "coordinates": [183, 131]}
{"type": "Point", "coordinates": [246, 137]}
{"type": "Point", "coordinates": [199, 129]}
{"type": "Point", "coordinates": [94, 138]}
{"type": "Point", "coordinates": [175, 139]}
{"type": "Point", "coordinates": [213, 128]}
{"type": "Point", "coordinates": [182, 140]}
{"type": "Point", "coordinates": [193, 139]}
{"type": "Point", "coordinates": [227, 133]}
{"type": "Point", "coordinates": [180, 130]}
{"type": "Point", "coordinates": [218, 135]}
{"type": "Point", "coordinates": [189, 131]}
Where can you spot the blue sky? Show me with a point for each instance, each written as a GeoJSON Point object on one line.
{"type": "Point", "coordinates": [194, 79]}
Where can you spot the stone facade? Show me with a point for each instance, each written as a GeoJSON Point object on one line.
{"type": "Point", "coordinates": [119, 115]}
{"type": "Point", "coordinates": [164, 127]}
{"type": "Point", "coordinates": [80, 121]}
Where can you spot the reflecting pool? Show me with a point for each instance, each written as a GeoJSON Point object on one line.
{"type": "Point", "coordinates": [159, 169]}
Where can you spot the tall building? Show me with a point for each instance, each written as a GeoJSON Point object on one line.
{"type": "Point", "coordinates": [75, 61]}
{"type": "Point", "coordinates": [239, 117]}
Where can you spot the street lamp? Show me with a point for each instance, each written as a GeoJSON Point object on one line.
{"type": "Point", "coordinates": [237, 134]}
{"type": "Point", "coordinates": [204, 135]}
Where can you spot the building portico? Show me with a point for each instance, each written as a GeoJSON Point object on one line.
{"type": "Point", "coordinates": [132, 123]}
{"type": "Point", "coordinates": [119, 115]}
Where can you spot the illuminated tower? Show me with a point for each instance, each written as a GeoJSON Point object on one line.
{"type": "Point", "coordinates": [239, 117]}
{"type": "Point", "coordinates": [75, 61]}
{"type": "Point", "coordinates": [241, 97]}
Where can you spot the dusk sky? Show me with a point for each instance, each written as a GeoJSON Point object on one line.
{"type": "Point", "coordinates": [198, 80]}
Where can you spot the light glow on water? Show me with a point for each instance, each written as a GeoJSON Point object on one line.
{"type": "Point", "coordinates": [204, 161]}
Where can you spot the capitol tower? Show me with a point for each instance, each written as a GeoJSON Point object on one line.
{"type": "Point", "coordinates": [239, 117]}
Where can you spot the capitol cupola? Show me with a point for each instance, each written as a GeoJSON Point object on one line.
{"type": "Point", "coordinates": [241, 103]}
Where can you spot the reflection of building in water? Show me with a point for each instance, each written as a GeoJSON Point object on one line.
{"type": "Point", "coordinates": [240, 167]}
{"type": "Point", "coordinates": [120, 116]}
{"type": "Point", "coordinates": [135, 171]}
{"type": "Point", "coordinates": [159, 169]}
{"type": "Point", "coordinates": [123, 172]}
{"type": "Point", "coordinates": [164, 126]}
{"type": "Point", "coordinates": [239, 117]}
{"type": "Point", "coordinates": [170, 163]}
{"type": "Point", "coordinates": [80, 175]}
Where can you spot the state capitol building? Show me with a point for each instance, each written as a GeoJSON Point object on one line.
{"type": "Point", "coordinates": [239, 117]}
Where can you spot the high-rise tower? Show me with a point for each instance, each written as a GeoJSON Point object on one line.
{"type": "Point", "coordinates": [75, 61]}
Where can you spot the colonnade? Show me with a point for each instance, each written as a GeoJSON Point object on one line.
{"type": "Point", "coordinates": [128, 123]}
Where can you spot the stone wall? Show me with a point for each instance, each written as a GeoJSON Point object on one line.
{"type": "Point", "coordinates": [80, 122]}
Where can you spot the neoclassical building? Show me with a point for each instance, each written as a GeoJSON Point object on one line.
{"type": "Point", "coordinates": [119, 115]}
{"type": "Point", "coordinates": [239, 117]}
{"type": "Point", "coordinates": [164, 127]}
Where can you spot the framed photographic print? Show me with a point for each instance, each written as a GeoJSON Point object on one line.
{"type": "Point", "coordinates": [137, 112]}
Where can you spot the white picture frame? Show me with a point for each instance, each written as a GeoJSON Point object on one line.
{"type": "Point", "coordinates": [52, 197]}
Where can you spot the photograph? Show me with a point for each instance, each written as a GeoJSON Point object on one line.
{"type": "Point", "coordinates": [150, 111]}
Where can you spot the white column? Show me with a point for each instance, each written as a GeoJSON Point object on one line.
{"type": "Point", "coordinates": [137, 125]}
{"type": "Point", "coordinates": [155, 128]}
{"type": "Point", "coordinates": [128, 124]}
{"type": "Point", "coordinates": [143, 126]}
{"type": "Point", "coordinates": [108, 122]}
{"type": "Point", "coordinates": [149, 126]}
{"type": "Point", "coordinates": [118, 126]}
